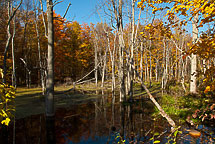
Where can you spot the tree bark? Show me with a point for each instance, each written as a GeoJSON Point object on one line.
{"type": "Point", "coordinates": [118, 18]}
{"type": "Point", "coordinates": [50, 62]}
{"type": "Point", "coordinates": [10, 17]}
{"type": "Point", "coordinates": [150, 63]}
{"type": "Point", "coordinates": [44, 22]}
{"type": "Point", "coordinates": [7, 45]}
{"type": "Point", "coordinates": [112, 54]}
{"type": "Point", "coordinates": [121, 55]}
{"type": "Point", "coordinates": [13, 55]}
{"type": "Point", "coordinates": [96, 60]}
{"type": "Point", "coordinates": [141, 63]}
{"type": "Point", "coordinates": [131, 72]}
{"type": "Point", "coordinates": [104, 66]}
{"type": "Point", "coordinates": [193, 56]}
{"type": "Point", "coordinates": [42, 73]}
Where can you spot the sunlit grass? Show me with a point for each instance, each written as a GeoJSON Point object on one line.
{"type": "Point", "coordinates": [31, 91]}
{"type": "Point", "coordinates": [26, 91]}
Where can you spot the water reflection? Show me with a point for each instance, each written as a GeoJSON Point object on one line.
{"type": "Point", "coordinates": [50, 130]}
{"type": "Point", "coordinates": [100, 122]}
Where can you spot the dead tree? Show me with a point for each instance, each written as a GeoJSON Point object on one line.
{"type": "Point", "coordinates": [11, 14]}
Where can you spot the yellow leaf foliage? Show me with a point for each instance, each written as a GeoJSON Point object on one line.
{"type": "Point", "coordinates": [7, 105]}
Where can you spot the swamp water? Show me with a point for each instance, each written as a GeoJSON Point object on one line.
{"type": "Point", "coordinates": [99, 122]}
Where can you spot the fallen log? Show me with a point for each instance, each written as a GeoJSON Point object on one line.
{"type": "Point", "coordinates": [162, 112]}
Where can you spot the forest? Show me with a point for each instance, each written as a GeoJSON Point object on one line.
{"type": "Point", "coordinates": [143, 74]}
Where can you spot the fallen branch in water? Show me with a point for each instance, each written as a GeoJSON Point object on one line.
{"type": "Point", "coordinates": [162, 112]}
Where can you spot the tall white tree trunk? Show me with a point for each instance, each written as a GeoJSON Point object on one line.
{"type": "Point", "coordinates": [96, 61]}
{"type": "Point", "coordinates": [104, 66]}
{"type": "Point", "coordinates": [112, 55]}
{"type": "Point", "coordinates": [193, 56]}
{"type": "Point", "coordinates": [164, 76]}
{"type": "Point", "coordinates": [13, 55]}
{"type": "Point", "coordinates": [150, 63]}
{"type": "Point", "coordinates": [42, 71]}
{"type": "Point", "coordinates": [10, 17]}
{"type": "Point", "coordinates": [118, 18]}
{"type": "Point", "coordinates": [131, 63]}
{"type": "Point", "coordinates": [146, 63]}
{"type": "Point", "coordinates": [141, 63]}
{"type": "Point", "coordinates": [7, 45]}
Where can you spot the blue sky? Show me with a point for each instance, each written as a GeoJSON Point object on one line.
{"type": "Point", "coordinates": [82, 11]}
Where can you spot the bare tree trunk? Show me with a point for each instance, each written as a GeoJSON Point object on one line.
{"type": "Point", "coordinates": [113, 77]}
{"type": "Point", "coordinates": [136, 62]}
{"type": "Point", "coordinates": [131, 73]}
{"type": "Point", "coordinates": [27, 73]}
{"type": "Point", "coordinates": [13, 57]}
{"type": "Point", "coordinates": [10, 17]}
{"type": "Point", "coordinates": [50, 62]}
{"type": "Point", "coordinates": [42, 73]}
{"type": "Point", "coordinates": [204, 66]}
{"type": "Point", "coordinates": [104, 66]}
{"type": "Point", "coordinates": [163, 85]}
{"type": "Point", "coordinates": [141, 63]}
{"type": "Point", "coordinates": [177, 68]}
{"type": "Point", "coordinates": [156, 70]}
{"type": "Point", "coordinates": [7, 45]}
{"type": "Point", "coordinates": [135, 39]}
{"type": "Point", "coordinates": [118, 18]}
{"type": "Point", "coordinates": [49, 99]}
{"type": "Point", "coordinates": [112, 54]}
{"type": "Point", "coordinates": [167, 64]}
{"type": "Point", "coordinates": [44, 22]}
{"type": "Point", "coordinates": [29, 79]}
{"type": "Point", "coordinates": [121, 55]}
{"type": "Point", "coordinates": [193, 56]}
{"type": "Point", "coordinates": [150, 63]}
{"type": "Point", "coordinates": [182, 65]}
{"type": "Point", "coordinates": [146, 64]}
{"type": "Point", "coordinates": [96, 61]}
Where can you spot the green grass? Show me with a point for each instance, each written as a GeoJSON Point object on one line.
{"type": "Point", "coordinates": [180, 105]}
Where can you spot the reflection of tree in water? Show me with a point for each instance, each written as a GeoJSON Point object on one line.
{"type": "Point", "coordinates": [76, 122]}
{"type": "Point", "coordinates": [96, 122]}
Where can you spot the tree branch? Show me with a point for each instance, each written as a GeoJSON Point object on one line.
{"type": "Point", "coordinates": [11, 17]}
{"type": "Point", "coordinates": [67, 10]}
{"type": "Point", "coordinates": [41, 4]}
{"type": "Point", "coordinates": [55, 3]}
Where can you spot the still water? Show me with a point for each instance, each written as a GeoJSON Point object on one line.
{"type": "Point", "coordinates": [100, 122]}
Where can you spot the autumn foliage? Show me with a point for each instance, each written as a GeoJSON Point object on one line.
{"type": "Point", "coordinates": [73, 48]}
